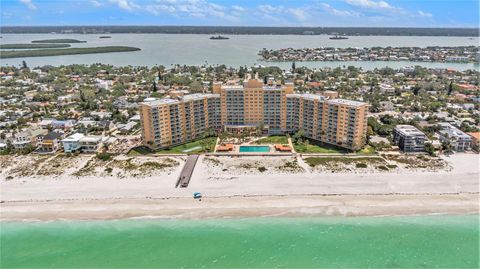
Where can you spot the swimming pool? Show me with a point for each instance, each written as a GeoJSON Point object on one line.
{"type": "Point", "coordinates": [254, 149]}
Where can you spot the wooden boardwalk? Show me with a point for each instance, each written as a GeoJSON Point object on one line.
{"type": "Point", "coordinates": [187, 171]}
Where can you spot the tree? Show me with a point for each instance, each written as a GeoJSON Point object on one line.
{"type": "Point", "coordinates": [430, 149]}
{"type": "Point", "coordinates": [196, 87]}
{"type": "Point", "coordinates": [293, 67]}
{"type": "Point", "coordinates": [416, 89]}
{"type": "Point", "coordinates": [260, 128]}
{"type": "Point", "coordinates": [154, 86]}
{"type": "Point", "coordinates": [24, 65]}
{"type": "Point", "coordinates": [297, 137]}
{"type": "Point", "coordinates": [241, 72]}
{"type": "Point", "coordinates": [450, 88]}
{"type": "Point", "coordinates": [447, 147]}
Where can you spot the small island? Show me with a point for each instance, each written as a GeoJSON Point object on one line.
{"type": "Point", "coordinates": [59, 41]}
{"type": "Point", "coordinates": [69, 51]}
{"type": "Point", "coordinates": [33, 46]}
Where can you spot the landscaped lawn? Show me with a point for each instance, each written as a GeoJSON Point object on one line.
{"type": "Point", "coordinates": [274, 139]}
{"type": "Point", "coordinates": [193, 147]}
{"type": "Point", "coordinates": [141, 150]}
{"type": "Point", "coordinates": [367, 150]}
{"type": "Point", "coordinates": [313, 148]}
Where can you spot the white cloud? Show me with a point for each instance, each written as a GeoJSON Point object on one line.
{"type": "Point", "coordinates": [371, 4]}
{"type": "Point", "coordinates": [6, 15]}
{"type": "Point", "coordinates": [270, 9]}
{"type": "Point", "coordinates": [424, 14]}
{"type": "Point", "coordinates": [298, 13]}
{"type": "Point", "coordinates": [239, 9]}
{"type": "Point", "coordinates": [125, 4]}
{"type": "Point", "coordinates": [96, 3]}
{"type": "Point", "coordinates": [338, 12]}
{"type": "Point", "coordinates": [29, 4]}
{"type": "Point", "coordinates": [192, 8]}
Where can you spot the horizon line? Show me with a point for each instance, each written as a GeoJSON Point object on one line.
{"type": "Point", "coordinates": [166, 25]}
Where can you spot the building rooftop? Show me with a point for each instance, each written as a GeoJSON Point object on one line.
{"type": "Point", "coordinates": [232, 87]}
{"type": "Point", "coordinates": [74, 137]}
{"type": "Point", "coordinates": [272, 88]}
{"type": "Point", "coordinates": [346, 102]}
{"type": "Point", "coordinates": [306, 96]}
{"type": "Point", "coordinates": [452, 131]}
{"type": "Point", "coordinates": [91, 138]}
{"type": "Point", "coordinates": [158, 102]}
{"type": "Point", "coordinates": [199, 96]}
{"type": "Point", "coordinates": [52, 135]}
{"type": "Point", "coordinates": [475, 135]}
{"type": "Point", "coordinates": [408, 130]}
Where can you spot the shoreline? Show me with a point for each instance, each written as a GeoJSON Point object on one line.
{"type": "Point", "coordinates": [243, 206]}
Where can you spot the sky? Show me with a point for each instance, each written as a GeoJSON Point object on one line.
{"type": "Point", "coordinates": [341, 13]}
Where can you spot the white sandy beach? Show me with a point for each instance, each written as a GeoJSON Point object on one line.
{"type": "Point", "coordinates": [301, 192]}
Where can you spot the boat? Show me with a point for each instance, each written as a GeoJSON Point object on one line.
{"type": "Point", "coordinates": [105, 36]}
{"type": "Point", "coordinates": [339, 37]}
{"type": "Point", "coordinates": [219, 37]}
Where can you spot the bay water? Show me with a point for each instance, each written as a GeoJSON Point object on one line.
{"type": "Point", "coordinates": [239, 50]}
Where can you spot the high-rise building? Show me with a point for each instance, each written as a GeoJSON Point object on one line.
{"type": "Point", "coordinates": [274, 107]}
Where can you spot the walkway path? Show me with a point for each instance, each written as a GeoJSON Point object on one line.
{"type": "Point", "coordinates": [187, 171]}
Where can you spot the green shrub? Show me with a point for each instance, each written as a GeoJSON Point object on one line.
{"type": "Point", "coordinates": [392, 166]}
{"type": "Point", "coordinates": [382, 167]}
{"type": "Point", "coordinates": [361, 165]}
{"type": "Point", "coordinates": [108, 170]}
{"type": "Point", "coordinates": [262, 169]}
{"type": "Point", "coordinates": [103, 156]}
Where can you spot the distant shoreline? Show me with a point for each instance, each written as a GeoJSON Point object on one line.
{"type": "Point", "coordinates": [240, 30]}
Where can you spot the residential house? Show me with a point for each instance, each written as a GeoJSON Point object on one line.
{"type": "Point", "coordinates": [126, 128]}
{"type": "Point", "coordinates": [51, 142]}
{"type": "Point", "coordinates": [72, 143]}
{"type": "Point", "coordinates": [90, 144]}
{"type": "Point", "coordinates": [387, 106]}
{"type": "Point", "coordinates": [475, 140]}
{"type": "Point", "coordinates": [32, 136]}
{"type": "Point", "coordinates": [63, 124]}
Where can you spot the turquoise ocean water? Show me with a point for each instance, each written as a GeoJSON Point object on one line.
{"type": "Point", "coordinates": [375, 242]}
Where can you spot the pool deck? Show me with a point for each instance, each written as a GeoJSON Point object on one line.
{"type": "Point", "coordinates": [236, 150]}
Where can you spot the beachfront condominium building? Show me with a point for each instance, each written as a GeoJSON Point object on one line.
{"type": "Point", "coordinates": [272, 107]}
{"type": "Point", "coordinates": [459, 140]}
{"type": "Point", "coordinates": [408, 138]}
